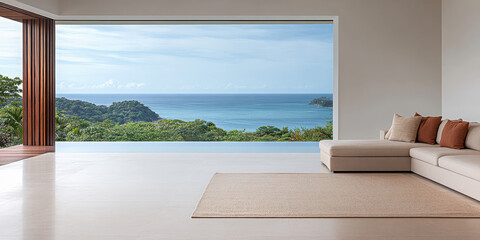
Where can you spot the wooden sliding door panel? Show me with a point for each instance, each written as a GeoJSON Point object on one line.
{"type": "Point", "coordinates": [39, 82]}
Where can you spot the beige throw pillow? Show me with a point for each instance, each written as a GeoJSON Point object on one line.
{"type": "Point", "coordinates": [404, 129]}
{"type": "Point", "coordinates": [389, 132]}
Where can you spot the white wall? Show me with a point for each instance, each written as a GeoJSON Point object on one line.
{"type": "Point", "coordinates": [461, 59]}
{"type": "Point", "coordinates": [389, 50]}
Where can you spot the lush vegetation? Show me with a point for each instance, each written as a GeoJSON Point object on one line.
{"type": "Point", "coordinates": [11, 112]}
{"type": "Point", "coordinates": [132, 121]}
{"type": "Point", "coordinates": [119, 112]}
{"type": "Point", "coordinates": [9, 88]}
{"type": "Point", "coordinates": [75, 129]}
{"type": "Point", "coordinates": [322, 102]}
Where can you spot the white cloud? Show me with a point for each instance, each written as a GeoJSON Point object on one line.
{"type": "Point", "coordinates": [10, 39]}
{"type": "Point", "coordinates": [235, 86]}
{"type": "Point", "coordinates": [194, 58]}
{"type": "Point", "coordinates": [10, 48]}
{"type": "Point", "coordinates": [74, 59]}
{"type": "Point", "coordinates": [128, 42]}
{"type": "Point", "coordinates": [131, 85]}
{"type": "Point", "coordinates": [108, 84]}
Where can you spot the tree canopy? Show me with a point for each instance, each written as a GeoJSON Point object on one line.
{"type": "Point", "coordinates": [9, 88]}
{"type": "Point", "coordinates": [75, 129]}
{"type": "Point", "coordinates": [118, 112]}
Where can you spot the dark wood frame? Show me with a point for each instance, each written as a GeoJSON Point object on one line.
{"type": "Point", "coordinates": [16, 14]}
{"type": "Point", "coordinates": [38, 75]}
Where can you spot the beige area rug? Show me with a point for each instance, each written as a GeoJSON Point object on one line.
{"type": "Point", "coordinates": [326, 195]}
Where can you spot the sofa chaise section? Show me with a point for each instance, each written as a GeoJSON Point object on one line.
{"type": "Point", "coordinates": [366, 155]}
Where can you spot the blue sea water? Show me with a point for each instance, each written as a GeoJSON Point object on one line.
{"type": "Point", "coordinates": [228, 111]}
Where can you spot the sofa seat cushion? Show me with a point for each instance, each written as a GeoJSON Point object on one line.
{"type": "Point", "coordinates": [432, 154]}
{"type": "Point", "coordinates": [368, 148]}
{"type": "Point", "coordinates": [466, 165]}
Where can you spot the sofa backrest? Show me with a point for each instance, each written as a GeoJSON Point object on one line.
{"type": "Point", "coordinates": [473, 136]}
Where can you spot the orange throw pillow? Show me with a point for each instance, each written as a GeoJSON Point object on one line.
{"type": "Point", "coordinates": [453, 135]}
{"type": "Point", "coordinates": [427, 132]}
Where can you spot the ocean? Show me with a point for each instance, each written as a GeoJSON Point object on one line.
{"type": "Point", "coordinates": [228, 111]}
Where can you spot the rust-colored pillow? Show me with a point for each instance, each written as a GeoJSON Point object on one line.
{"type": "Point", "coordinates": [427, 131]}
{"type": "Point", "coordinates": [453, 135]}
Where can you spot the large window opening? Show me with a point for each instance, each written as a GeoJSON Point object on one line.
{"type": "Point", "coordinates": [195, 82]}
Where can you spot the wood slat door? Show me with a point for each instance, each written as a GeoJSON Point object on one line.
{"type": "Point", "coordinates": [39, 82]}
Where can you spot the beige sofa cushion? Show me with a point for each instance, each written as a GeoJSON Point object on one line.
{"type": "Point", "coordinates": [404, 129]}
{"type": "Point", "coordinates": [432, 154]}
{"type": "Point", "coordinates": [368, 148]}
{"type": "Point", "coordinates": [473, 136]}
{"type": "Point", "coordinates": [468, 166]}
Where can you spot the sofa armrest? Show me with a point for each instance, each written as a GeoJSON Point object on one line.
{"type": "Point", "coordinates": [382, 134]}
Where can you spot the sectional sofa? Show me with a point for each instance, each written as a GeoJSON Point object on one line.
{"type": "Point", "coordinates": [458, 169]}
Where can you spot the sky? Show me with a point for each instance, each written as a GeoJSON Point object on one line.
{"type": "Point", "coordinates": [217, 58]}
{"type": "Point", "coordinates": [10, 48]}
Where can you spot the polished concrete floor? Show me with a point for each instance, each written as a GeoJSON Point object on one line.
{"type": "Point", "coordinates": [152, 196]}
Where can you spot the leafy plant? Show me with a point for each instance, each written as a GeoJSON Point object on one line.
{"type": "Point", "coordinates": [9, 88]}
{"type": "Point", "coordinates": [313, 134]}
{"type": "Point", "coordinates": [12, 119]}
{"type": "Point", "coordinates": [5, 139]}
{"type": "Point", "coordinates": [267, 130]}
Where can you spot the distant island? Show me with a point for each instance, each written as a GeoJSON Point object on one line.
{"type": "Point", "coordinates": [322, 102]}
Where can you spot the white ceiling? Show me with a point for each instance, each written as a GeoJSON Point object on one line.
{"type": "Point", "coordinates": [178, 9]}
